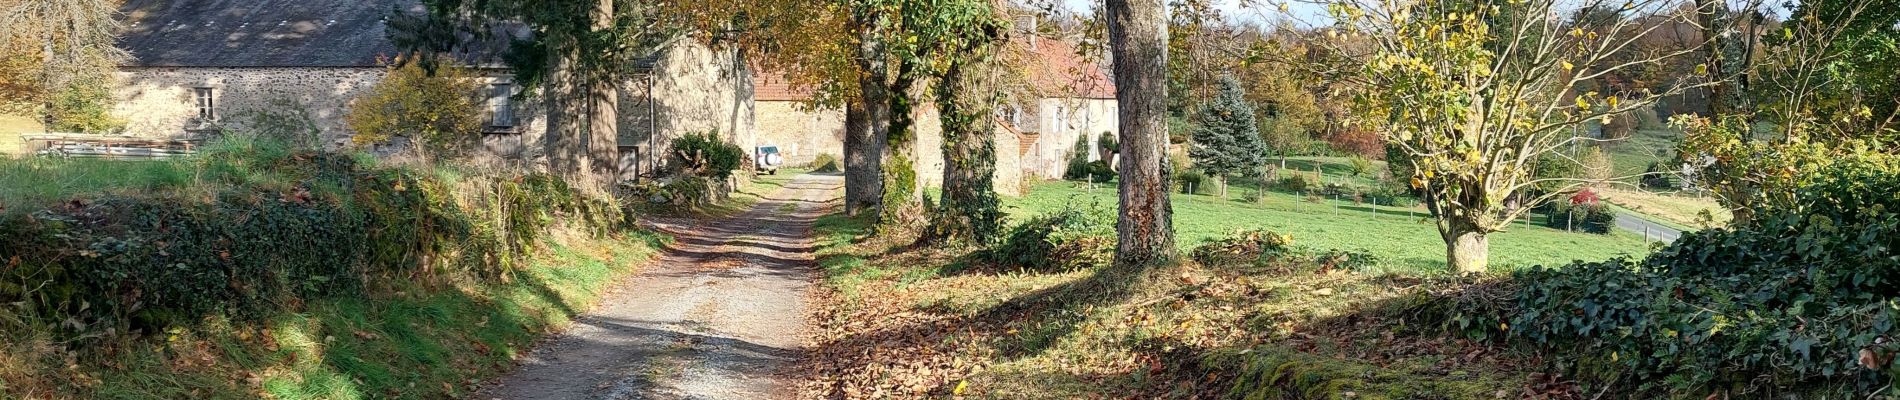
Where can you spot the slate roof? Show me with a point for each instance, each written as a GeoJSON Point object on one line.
{"type": "Point", "coordinates": [259, 33]}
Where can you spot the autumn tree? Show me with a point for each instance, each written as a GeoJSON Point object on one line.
{"type": "Point", "coordinates": [76, 59]}
{"type": "Point", "coordinates": [1138, 41]}
{"type": "Point", "coordinates": [577, 53]}
{"type": "Point", "coordinates": [438, 113]}
{"type": "Point", "coordinates": [1811, 85]}
{"type": "Point", "coordinates": [1473, 94]}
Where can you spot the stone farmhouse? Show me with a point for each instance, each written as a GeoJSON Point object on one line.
{"type": "Point", "coordinates": [1068, 100]}
{"type": "Point", "coordinates": [204, 65]}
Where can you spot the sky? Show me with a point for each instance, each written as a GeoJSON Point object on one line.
{"type": "Point", "coordinates": [1255, 11]}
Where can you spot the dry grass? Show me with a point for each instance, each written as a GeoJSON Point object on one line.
{"type": "Point", "coordinates": [11, 126]}
{"type": "Point", "coordinates": [1674, 209]}
{"type": "Point", "coordinates": [902, 322]}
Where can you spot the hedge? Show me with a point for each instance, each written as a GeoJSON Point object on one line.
{"type": "Point", "coordinates": [112, 263]}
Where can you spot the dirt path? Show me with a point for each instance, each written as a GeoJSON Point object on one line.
{"type": "Point", "coordinates": [720, 315]}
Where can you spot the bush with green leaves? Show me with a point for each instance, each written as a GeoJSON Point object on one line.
{"type": "Point", "coordinates": [440, 113]}
{"type": "Point", "coordinates": [1595, 218]}
{"type": "Point", "coordinates": [1295, 183]}
{"type": "Point", "coordinates": [1190, 181]}
{"type": "Point", "coordinates": [703, 154]}
{"type": "Point", "coordinates": [1799, 303]}
{"type": "Point", "coordinates": [297, 225]}
{"type": "Point", "coordinates": [1076, 236]}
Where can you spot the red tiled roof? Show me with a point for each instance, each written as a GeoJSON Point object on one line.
{"type": "Point", "coordinates": [771, 86]}
{"type": "Point", "coordinates": [1057, 71]}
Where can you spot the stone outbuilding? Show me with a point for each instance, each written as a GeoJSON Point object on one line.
{"type": "Point", "coordinates": [203, 66]}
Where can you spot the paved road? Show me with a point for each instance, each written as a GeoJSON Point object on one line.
{"type": "Point", "coordinates": [1659, 232]}
{"type": "Point", "coordinates": [720, 315]}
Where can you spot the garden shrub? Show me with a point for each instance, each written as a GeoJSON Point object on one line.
{"type": "Point", "coordinates": [1294, 183]}
{"type": "Point", "coordinates": [1392, 194]}
{"type": "Point", "coordinates": [1099, 171]}
{"type": "Point", "coordinates": [703, 154]}
{"type": "Point", "coordinates": [1595, 218]}
{"type": "Point", "coordinates": [826, 162]}
{"type": "Point", "coordinates": [1800, 301]}
{"type": "Point", "coordinates": [1067, 238]}
{"type": "Point", "coordinates": [1190, 181]}
{"type": "Point", "coordinates": [439, 113]}
{"type": "Point", "coordinates": [324, 225]}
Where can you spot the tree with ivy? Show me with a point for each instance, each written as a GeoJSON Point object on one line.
{"type": "Point", "coordinates": [965, 35]}
{"type": "Point", "coordinates": [1226, 142]}
{"type": "Point", "coordinates": [1472, 95]}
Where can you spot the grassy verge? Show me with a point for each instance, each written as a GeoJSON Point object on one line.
{"type": "Point", "coordinates": [414, 341]}
{"type": "Point", "coordinates": [254, 270]}
{"type": "Point", "coordinates": [1675, 210]}
{"type": "Point", "coordinates": [1404, 237]}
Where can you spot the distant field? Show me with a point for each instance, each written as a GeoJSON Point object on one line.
{"type": "Point", "coordinates": [11, 126]}
{"type": "Point", "coordinates": [1403, 238]}
{"type": "Point", "coordinates": [1632, 156]}
{"type": "Point", "coordinates": [1680, 210]}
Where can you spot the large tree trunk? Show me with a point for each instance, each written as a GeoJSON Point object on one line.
{"type": "Point", "coordinates": [564, 112]}
{"type": "Point", "coordinates": [968, 209]}
{"type": "Point", "coordinates": [903, 199]}
{"type": "Point", "coordinates": [1467, 249]}
{"type": "Point", "coordinates": [1138, 36]}
{"type": "Point", "coordinates": [867, 122]}
{"type": "Point", "coordinates": [603, 124]}
{"type": "Point", "coordinates": [863, 158]}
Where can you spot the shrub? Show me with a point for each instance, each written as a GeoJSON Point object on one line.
{"type": "Point", "coordinates": [327, 226]}
{"type": "Point", "coordinates": [826, 162]}
{"type": "Point", "coordinates": [1294, 183]}
{"type": "Point", "coordinates": [439, 113]}
{"type": "Point", "coordinates": [1077, 168]}
{"type": "Point", "coordinates": [1392, 192]}
{"type": "Point", "coordinates": [1068, 238]}
{"type": "Point", "coordinates": [703, 154]}
{"type": "Point", "coordinates": [1593, 218]}
{"type": "Point", "coordinates": [1190, 181]}
{"type": "Point", "coordinates": [1797, 302]}
{"type": "Point", "coordinates": [1256, 248]}
{"type": "Point", "coordinates": [1098, 171]}
{"type": "Point", "coordinates": [1360, 165]}
{"type": "Point", "coordinates": [84, 105]}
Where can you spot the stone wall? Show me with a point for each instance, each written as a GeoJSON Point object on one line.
{"type": "Point", "coordinates": [801, 133]}
{"type": "Point", "coordinates": [159, 102]}
{"type": "Point", "coordinates": [1060, 123]}
{"type": "Point", "coordinates": [692, 88]}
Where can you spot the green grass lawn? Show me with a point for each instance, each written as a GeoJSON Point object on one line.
{"type": "Point", "coordinates": [1403, 238]}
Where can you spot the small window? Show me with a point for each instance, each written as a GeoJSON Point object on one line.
{"type": "Point", "coordinates": [207, 103]}
{"type": "Point", "coordinates": [501, 107]}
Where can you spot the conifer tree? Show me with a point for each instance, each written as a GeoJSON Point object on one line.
{"type": "Point", "coordinates": [1226, 141]}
